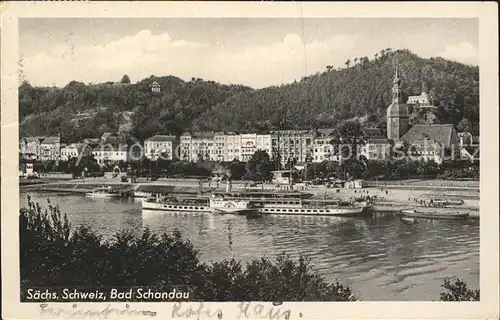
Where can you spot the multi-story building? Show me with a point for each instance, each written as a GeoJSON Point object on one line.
{"type": "Point", "coordinates": [232, 146]}
{"type": "Point", "coordinates": [185, 147]}
{"type": "Point", "coordinates": [322, 149]}
{"type": "Point", "coordinates": [30, 147]}
{"type": "Point", "coordinates": [50, 148]}
{"type": "Point", "coordinates": [378, 148]}
{"type": "Point", "coordinates": [423, 101]}
{"type": "Point", "coordinates": [376, 145]}
{"type": "Point", "coordinates": [163, 145]}
{"type": "Point", "coordinates": [264, 142]}
{"type": "Point", "coordinates": [219, 146]}
{"type": "Point", "coordinates": [248, 146]}
{"type": "Point", "coordinates": [293, 145]}
{"type": "Point", "coordinates": [110, 153]}
{"type": "Point", "coordinates": [75, 150]}
{"type": "Point", "coordinates": [199, 146]}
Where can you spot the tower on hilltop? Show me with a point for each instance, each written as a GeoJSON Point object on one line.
{"type": "Point", "coordinates": [397, 112]}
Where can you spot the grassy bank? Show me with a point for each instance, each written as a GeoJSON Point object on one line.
{"type": "Point", "coordinates": [53, 254]}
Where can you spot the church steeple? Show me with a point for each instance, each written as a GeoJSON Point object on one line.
{"type": "Point", "coordinates": [396, 90]}
{"type": "Point", "coordinates": [397, 112]}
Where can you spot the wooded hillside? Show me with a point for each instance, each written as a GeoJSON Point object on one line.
{"type": "Point", "coordinates": [362, 89]}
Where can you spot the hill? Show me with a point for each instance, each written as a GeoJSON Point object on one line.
{"type": "Point", "coordinates": [362, 89]}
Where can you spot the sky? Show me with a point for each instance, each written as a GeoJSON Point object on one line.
{"type": "Point", "coordinates": [257, 52]}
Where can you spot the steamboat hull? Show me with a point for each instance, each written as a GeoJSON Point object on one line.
{"type": "Point", "coordinates": [347, 212]}
{"type": "Point", "coordinates": [232, 211]}
{"type": "Point", "coordinates": [147, 205]}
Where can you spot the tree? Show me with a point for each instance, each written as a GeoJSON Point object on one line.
{"type": "Point", "coordinates": [125, 79]}
{"type": "Point", "coordinates": [458, 291]}
{"type": "Point", "coordinates": [347, 63]}
{"type": "Point", "coordinates": [347, 138]}
{"type": "Point", "coordinates": [464, 125]}
{"type": "Point", "coordinates": [259, 167]}
{"type": "Point", "coordinates": [237, 170]}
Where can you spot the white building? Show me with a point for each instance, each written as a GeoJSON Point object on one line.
{"type": "Point", "coordinates": [199, 146]}
{"type": "Point", "coordinates": [322, 149]}
{"type": "Point", "coordinates": [161, 145]}
{"type": "Point", "coordinates": [232, 146]}
{"type": "Point", "coordinates": [185, 149]}
{"type": "Point", "coordinates": [155, 87]}
{"type": "Point", "coordinates": [75, 150]}
{"type": "Point", "coordinates": [423, 101]}
{"type": "Point", "coordinates": [293, 145]}
{"type": "Point", "coordinates": [248, 146]}
{"type": "Point", "coordinates": [376, 149]}
{"type": "Point", "coordinates": [219, 146]}
{"type": "Point", "coordinates": [50, 148]}
{"type": "Point", "coordinates": [110, 153]}
{"type": "Point", "coordinates": [30, 147]}
{"type": "Point", "coordinates": [264, 142]}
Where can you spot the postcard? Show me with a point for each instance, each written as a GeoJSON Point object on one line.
{"type": "Point", "coordinates": [249, 160]}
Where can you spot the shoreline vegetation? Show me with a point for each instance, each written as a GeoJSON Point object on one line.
{"type": "Point", "coordinates": [55, 254]}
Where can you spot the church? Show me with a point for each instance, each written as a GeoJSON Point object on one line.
{"type": "Point", "coordinates": [426, 141]}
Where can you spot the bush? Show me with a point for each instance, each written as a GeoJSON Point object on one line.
{"type": "Point", "coordinates": [458, 291]}
{"type": "Point", "coordinates": [55, 254]}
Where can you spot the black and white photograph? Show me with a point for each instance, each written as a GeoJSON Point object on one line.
{"type": "Point", "coordinates": [187, 160]}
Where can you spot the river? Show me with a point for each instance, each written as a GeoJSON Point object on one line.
{"type": "Point", "coordinates": [381, 257]}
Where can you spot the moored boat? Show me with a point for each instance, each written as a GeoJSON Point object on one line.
{"type": "Point", "coordinates": [434, 213]}
{"type": "Point", "coordinates": [327, 210]}
{"type": "Point", "coordinates": [449, 202]}
{"type": "Point", "coordinates": [409, 219]}
{"type": "Point", "coordinates": [103, 192]}
{"type": "Point", "coordinates": [176, 204]}
{"type": "Point", "coordinates": [231, 206]}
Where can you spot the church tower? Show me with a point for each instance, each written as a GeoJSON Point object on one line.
{"type": "Point", "coordinates": [397, 112]}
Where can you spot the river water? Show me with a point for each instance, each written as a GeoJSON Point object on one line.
{"type": "Point", "coordinates": [380, 257]}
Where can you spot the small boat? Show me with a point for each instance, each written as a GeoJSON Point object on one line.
{"type": "Point", "coordinates": [221, 205]}
{"type": "Point", "coordinates": [449, 202]}
{"type": "Point", "coordinates": [434, 213]}
{"type": "Point", "coordinates": [103, 192]}
{"type": "Point", "coordinates": [409, 219]}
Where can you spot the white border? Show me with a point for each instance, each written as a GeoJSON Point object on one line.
{"type": "Point", "coordinates": [487, 308]}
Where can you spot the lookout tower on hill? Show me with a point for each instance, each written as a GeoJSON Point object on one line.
{"type": "Point", "coordinates": [397, 112]}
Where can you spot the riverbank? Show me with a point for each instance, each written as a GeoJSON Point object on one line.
{"type": "Point", "coordinates": [392, 197]}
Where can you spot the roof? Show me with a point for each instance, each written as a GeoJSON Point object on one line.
{"type": "Point", "coordinates": [76, 145]}
{"type": "Point", "coordinates": [325, 131]}
{"type": "Point", "coordinates": [110, 147]}
{"type": "Point", "coordinates": [378, 140]}
{"type": "Point", "coordinates": [397, 110]}
{"type": "Point", "coordinates": [31, 139]}
{"type": "Point", "coordinates": [373, 132]}
{"type": "Point", "coordinates": [51, 140]}
{"type": "Point", "coordinates": [203, 134]}
{"type": "Point", "coordinates": [109, 134]}
{"type": "Point", "coordinates": [159, 137]}
{"type": "Point", "coordinates": [445, 134]}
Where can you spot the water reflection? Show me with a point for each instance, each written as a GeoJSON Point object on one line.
{"type": "Point", "coordinates": [380, 257]}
